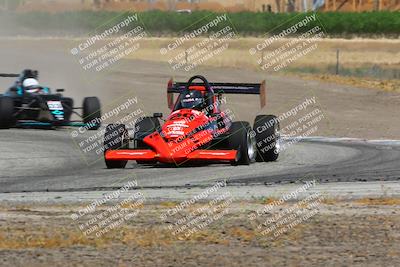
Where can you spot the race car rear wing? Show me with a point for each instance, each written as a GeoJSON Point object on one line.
{"type": "Point", "coordinates": [220, 88]}
{"type": "Point", "coordinates": [9, 75]}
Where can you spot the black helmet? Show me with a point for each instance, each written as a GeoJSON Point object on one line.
{"type": "Point", "coordinates": [193, 99]}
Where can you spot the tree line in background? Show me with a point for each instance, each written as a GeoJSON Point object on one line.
{"type": "Point", "coordinates": [245, 23]}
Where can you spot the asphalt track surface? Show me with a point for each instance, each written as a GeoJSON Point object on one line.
{"type": "Point", "coordinates": [46, 160]}
{"type": "Point", "coordinates": [53, 163]}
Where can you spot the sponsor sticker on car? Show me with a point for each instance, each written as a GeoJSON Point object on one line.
{"type": "Point", "coordinates": [56, 109]}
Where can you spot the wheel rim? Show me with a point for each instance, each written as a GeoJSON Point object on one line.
{"type": "Point", "coordinates": [277, 139]}
{"type": "Point", "coordinates": [125, 140]}
{"type": "Point", "coordinates": [251, 145]}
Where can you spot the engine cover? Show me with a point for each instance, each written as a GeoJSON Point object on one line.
{"type": "Point", "coordinates": [183, 122]}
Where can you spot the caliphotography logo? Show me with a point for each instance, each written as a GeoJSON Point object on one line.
{"type": "Point", "coordinates": [288, 42]}
{"type": "Point", "coordinates": [200, 43]}
{"type": "Point", "coordinates": [112, 41]}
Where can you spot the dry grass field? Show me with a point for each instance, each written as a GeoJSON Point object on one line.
{"type": "Point", "coordinates": [363, 232]}
{"type": "Point", "coordinates": [353, 52]}
{"type": "Point", "coordinates": [370, 63]}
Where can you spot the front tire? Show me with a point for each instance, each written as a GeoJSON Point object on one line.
{"type": "Point", "coordinates": [267, 134]}
{"type": "Point", "coordinates": [116, 137]}
{"type": "Point", "coordinates": [7, 119]}
{"type": "Point", "coordinates": [242, 140]}
{"type": "Point", "coordinates": [91, 112]}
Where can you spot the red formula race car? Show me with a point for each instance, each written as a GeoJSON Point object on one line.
{"type": "Point", "coordinates": [196, 130]}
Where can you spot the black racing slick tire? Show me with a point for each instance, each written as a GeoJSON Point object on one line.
{"type": "Point", "coordinates": [91, 113]}
{"type": "Point", "coordinates": [7, 119]}
{"type": "Point", "coordinates": [143, 128]}
{"type": "Point", "coordinates": [267, 133]}
{"type": "Point", "coordinates": [116, 137]}
{"type": "Point", "coordinates": [241, 139]}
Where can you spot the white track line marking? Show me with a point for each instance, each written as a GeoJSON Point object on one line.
{"type": "Point", "coordinates": [344, 139]}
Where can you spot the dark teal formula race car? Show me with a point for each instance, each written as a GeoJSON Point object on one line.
{"type": "Point", "coordinates": [28, 104]}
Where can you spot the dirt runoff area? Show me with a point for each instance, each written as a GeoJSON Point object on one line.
{"type": "Point", "coordinates": [321, 232]}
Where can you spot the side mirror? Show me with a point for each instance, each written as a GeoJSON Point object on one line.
{"type": "Point", "coordinates": [60, 90]}
{"type": "Point", "coordinates": [158, 115]}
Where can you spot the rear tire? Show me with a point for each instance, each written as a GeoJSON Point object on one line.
{"type": "Point", "coordinates": [266, 129]}
{"type": "Point", "coordinates": [116, 137]}
{"type": "Point", "coordinates": [240, 139]}
{"type": "Point", "coordinates": [147, 125]}
{"type": "Point", "coordinates": [7, 119]}
{"type": "Point", "coordinates": [143, 128]}
{"type": "Point", "coordinates": [91, 112]}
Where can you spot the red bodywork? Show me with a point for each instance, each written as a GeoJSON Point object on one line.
{"type": "Point", "coordinates": [180, 139]}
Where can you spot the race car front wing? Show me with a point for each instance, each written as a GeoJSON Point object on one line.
{"type": "Point", "coordinates": [188, 150]}
{"type": "Point", "coordinates": [150, 155]}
